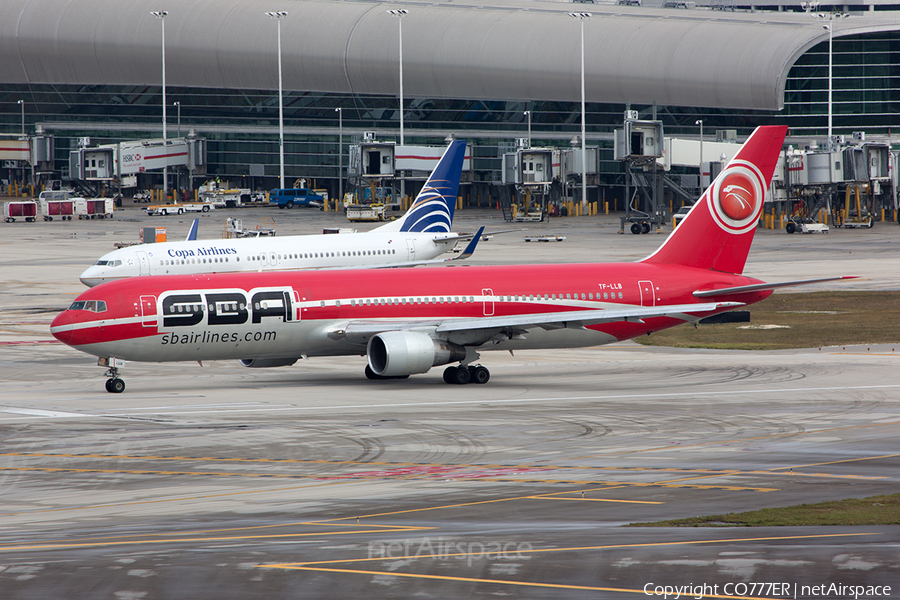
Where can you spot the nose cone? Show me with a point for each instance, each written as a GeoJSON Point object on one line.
{"type": "Point", "coordinates": [91, 276]}
{"type": "Point", "coordinates": [61, 327]}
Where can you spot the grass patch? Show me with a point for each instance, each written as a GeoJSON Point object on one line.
{"type": "Point", "coordinates": [875, 510]}
{"type": "Point", "coordinates": [811, 319]}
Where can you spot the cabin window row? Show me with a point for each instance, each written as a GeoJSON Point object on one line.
{"type": "Point", "coordinates": [262, 257]}
{"type": "Point", "coordinates": [459, 299]}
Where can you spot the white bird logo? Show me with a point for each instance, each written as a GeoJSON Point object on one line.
{"type": "Point", "coordinates": [741, 194]}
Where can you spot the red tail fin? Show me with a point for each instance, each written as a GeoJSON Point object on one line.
{"type": "Point", "coordinates": [717, 233]}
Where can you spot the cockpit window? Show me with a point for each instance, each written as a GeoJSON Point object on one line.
{"type": "Point", "coordinates": [96, 306]}
{"type": "Point", "coordinates": [108, 263]}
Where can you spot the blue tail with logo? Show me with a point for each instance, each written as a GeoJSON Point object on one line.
{"type": "Point", "coordinates": [432, 211]}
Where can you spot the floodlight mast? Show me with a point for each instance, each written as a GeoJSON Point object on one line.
{"type": "Point", "coordinates": [161, 15]}
{"type": "Point", "coordinates": [700, 123]}
{"type": "Point", "coordinates": [278, 16]}
{"type": "Point", "coordinates": [528, 114]}
{"type": "Point", "coordinates": [400, 13]}
{"type": "Point", "coordinates": [340, 113]}
{"type": "Point", "coordinates": [582, 16]}
{"type": "Point", "coordinates": [830, 17]}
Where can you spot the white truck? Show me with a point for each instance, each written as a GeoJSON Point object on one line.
{"type": "Point", "coordinates": [179, 208]}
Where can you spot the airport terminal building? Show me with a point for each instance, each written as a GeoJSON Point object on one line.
{"type": "Point", "coordinates": [83, 71]}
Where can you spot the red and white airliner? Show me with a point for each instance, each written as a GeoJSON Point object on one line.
{"type": "Point", "coordinates": [408, 321]}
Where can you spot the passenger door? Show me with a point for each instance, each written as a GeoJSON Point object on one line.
{"type": "Point", "coordinates": [648, 294]}
{"type": "Point", "coordinates": [148, 311]}
{"type": "Point", "coordinates": [488, 294]}
{"type": "Point", "coordinates": [143, 262]}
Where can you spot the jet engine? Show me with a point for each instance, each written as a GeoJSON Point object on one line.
{"type": "Point", "coordinates": [265, 363]}
{"type": "Point", "coordinates": [398, 353]}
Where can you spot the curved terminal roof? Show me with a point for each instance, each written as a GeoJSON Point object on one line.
{"type": "Point", "coordinates": [523, 49]}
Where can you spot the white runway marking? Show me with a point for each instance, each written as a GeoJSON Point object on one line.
{"type": "Point", "coordinates": [286, 408]}
{"type": "Point", "coordinates": [40, 413]}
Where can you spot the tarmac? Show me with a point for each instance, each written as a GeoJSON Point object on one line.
{"type": "Point", "coordinates": [218, 481]}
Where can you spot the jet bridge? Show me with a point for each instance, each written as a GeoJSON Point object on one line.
{"type": "Point", "coordinates": [93, 167]}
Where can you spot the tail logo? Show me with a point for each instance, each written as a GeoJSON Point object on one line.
{"type": "Point", "coordinates": [737, 198]}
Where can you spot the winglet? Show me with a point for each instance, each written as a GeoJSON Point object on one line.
{"type": "Point", "coordinates": [470, 248]}
{"type": "Point", "coordinates": [192, 233]}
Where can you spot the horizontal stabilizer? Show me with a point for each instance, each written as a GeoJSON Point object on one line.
{"type": "Point", "coordinates": [759, 287]}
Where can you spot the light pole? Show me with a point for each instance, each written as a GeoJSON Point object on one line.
{"type": "Point", "coordinates": [582, 16]}
{"type": "Point", "coordinates": [22, 104]}
{"type": "Point", "coordinates": [161, 15]}
{"type": "Point", "coordinates": [278, 16]}
{"type": "Point", "coordinates": [178, 106]}
{"type": "Point", "coordinates": [700, 123]}
{"type": "Point", "coordinates": [340, 113]}
{"type": "Point", "coordinates": [528, 114]}
{"type": "Point", "coordinates": [400, 13]}
{"type": "Point", "coordinates": [830, 17]}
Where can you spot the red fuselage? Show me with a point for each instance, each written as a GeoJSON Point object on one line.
{"type": "Point", "coordinates": [289, 314]}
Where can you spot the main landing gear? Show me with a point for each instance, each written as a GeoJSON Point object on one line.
{"type": "Point", "coordinates": [462, 375]}
{"type": "Point", "coordinates": [114, 385]}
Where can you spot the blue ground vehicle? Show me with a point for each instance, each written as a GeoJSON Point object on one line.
{"type": "Point", "coordinates": [291, 197]}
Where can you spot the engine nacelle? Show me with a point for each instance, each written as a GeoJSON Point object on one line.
{"type": "Point", "coordinates": [396, 353]}
{"type": "Point", "coordinates": [265, 363]}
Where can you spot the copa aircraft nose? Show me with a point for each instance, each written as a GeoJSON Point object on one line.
{"type": "Point", "coordinates": [91, 277]}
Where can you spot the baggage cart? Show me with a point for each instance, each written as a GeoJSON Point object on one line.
{"type": "Point", "coordinates": [63, 209]}
{"type": "Point", "coordinates": [94, 208]}
{"type": "Point", "coordinates": [20, 209]}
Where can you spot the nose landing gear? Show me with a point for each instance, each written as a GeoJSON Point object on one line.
{"type": "Point", "coordinates": [114, 385]}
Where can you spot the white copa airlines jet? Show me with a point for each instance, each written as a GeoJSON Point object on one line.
{"type": "Point", "coordinates": [408, 321]}
{"type": "Point", "coordinates": [421, 235]}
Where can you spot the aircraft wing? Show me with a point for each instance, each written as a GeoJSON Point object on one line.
{"type": "Point", "coordinates": [455, 237]}
{"type": "Point", "coordinates": [360, 331]}
{"type": "Point", "coordinates": [581, 318]}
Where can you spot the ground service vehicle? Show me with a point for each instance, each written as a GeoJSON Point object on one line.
{"type": "Point", "coordinates": [291, 197]}
{"type": "Point", "coordinates": [20, 209]}
{"type": "Point", "coordinates": [94, 208]}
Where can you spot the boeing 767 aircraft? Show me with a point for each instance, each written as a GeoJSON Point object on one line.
{"type": "Point", "coordinates": [407, 321]}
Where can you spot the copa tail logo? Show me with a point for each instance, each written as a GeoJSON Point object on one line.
{"type": "Point", "coordinates": [433, 209]}
{"type": "Point", "coordinates": [737, 196]}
